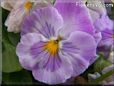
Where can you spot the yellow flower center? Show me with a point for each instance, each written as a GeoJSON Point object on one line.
{"type": "Point", "coordinates": [52, 46]}
{"type": "Point", "coordinates": [28, 5]}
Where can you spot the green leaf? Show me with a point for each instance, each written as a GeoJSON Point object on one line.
{"type": "Point", "coordinates": [102, 77]}
{"type": "Point", "coordinates": [14, 38]}
{"type": "Point", "coordinates": [9, 37]}
{"type": "Point", "coordinates": [111, 14]}
{"type": "Point", "coordinates": [4, 15]}
{"type": "Point", "coordinates": [10, 62]}
{"type": "Point", "coordinates": [101, 63]}
{"type": "Point", "coordinates": [0, 58]}
{"type": "Point", "coordinates": [5, 38]}
{"type": "Point", "coordinates": [17, 78]}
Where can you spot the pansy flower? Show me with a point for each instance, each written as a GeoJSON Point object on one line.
{"type": "Point", "coordinates": [8, 4]}
{"type": "Point", "coordinates": [19, 9]}
{"type": "Point", "coordinates": [57, 42]}
{"type": "Point", "coordinates": [103, 24]}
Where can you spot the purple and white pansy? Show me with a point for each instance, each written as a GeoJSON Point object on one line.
{"type": "Point", "coordinates": [19, 9]}
{"type": "Point", "coordinates": [57, 42]}
{"type": "Point", "coordinates": [106, 27]}
{"type": "Point", "coordinates": [102, 23]}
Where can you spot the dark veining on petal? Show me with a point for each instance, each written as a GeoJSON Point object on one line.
{"type": "Point", "coordinates": [53, 63]}
{"type": "Point", "coordinates": [70, 47]}
{"type": "Point", "coordinates": [47, 30]}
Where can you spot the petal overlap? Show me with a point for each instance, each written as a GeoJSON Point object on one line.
{"type": "Point", "coordinates": [75, 17]}
{"type": "Point", "coordinates": [57, 43]}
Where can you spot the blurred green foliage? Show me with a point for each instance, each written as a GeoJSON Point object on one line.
{"type": "Point", "coordinates": [12, 70]}
{"type": "Point", "coordinates": [101, 63]}
{"type": "Point", "coordinates": [10, 62]}
{"type": "Point", "coordinates": [17, 78]}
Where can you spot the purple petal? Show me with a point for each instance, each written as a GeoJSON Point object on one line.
{"type": "Point", "coordinates": [23, 50]}
{"type": "Point", "coordinates": [45, 20]}
{"type": "Point", "coordinates": [97, 37]}
{"type": "Point", "coordinates": [79, 64]}
{"type": "Point", "coordinates": [106, 31]}
{"type": "Point", "coordinates": [107, 37]}
{"type": "Point", "coordinates": [50, 63]}
{"type": "Point", "coordinates": [80, 48]}
{"type": "Point", "coordinates": [94, 15]}
{"type": "Point", "coordinates": [60, 75]}
{"type": "Point", "coordinates": [84, 44]}
{"type": "Point", "coordinates": [103, 23]}
{"type": "Point", "coordinates": [75, 17]}
{"type": "Point", "coordinates": [37, 48]}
